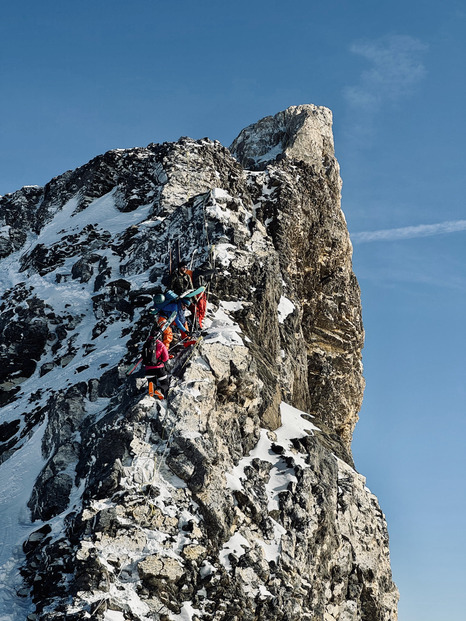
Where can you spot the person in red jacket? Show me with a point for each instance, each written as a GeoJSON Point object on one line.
{"type": "Point", "coordinates": [154, 357]}
{"type": "Point", "coordinates": [199, 306]}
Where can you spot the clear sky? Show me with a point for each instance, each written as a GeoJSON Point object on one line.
{"type": "Point", "coordinates": [78, 79]}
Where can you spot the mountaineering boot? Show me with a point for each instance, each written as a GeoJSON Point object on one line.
{"type": "Point", "coordinates": [153, 392]}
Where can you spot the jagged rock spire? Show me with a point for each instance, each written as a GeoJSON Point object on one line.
{"type": "Point", "coordinates": [302, 133]}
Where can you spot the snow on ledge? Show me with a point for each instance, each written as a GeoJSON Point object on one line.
{"type": "Point", "coordinates": [222, 328]}
{"type": "Point", "coordinates": [285, 308]}
{"type": "Point", "coordinates": [219, 194]}
{"type": "Point", "coordinates": [187, 613]}
{"type": "Point", "coordinates": [237, 545]}
{"type": "Point", "coordinates": [294, 425]}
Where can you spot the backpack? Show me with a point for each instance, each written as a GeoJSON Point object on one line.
{"type": "Point", "coordinates": [149, 353]}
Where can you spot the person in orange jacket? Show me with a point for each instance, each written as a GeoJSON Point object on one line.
{"type": "Point", "coordinates": [167, 333]}
{"type": "Point", "coordinates": [199, 306]}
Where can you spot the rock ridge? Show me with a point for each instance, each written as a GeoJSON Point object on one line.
{"type": "Point", "coordinates": [236, 497]}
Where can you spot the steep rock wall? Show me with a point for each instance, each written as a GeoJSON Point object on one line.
{"type": "Point", "coordinates": [308, 228]}
{"type": "Point", "coordinates": [224, 501]}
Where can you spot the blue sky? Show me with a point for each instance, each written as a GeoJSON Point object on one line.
{"type": "Point", "coordinates": [81, 78]}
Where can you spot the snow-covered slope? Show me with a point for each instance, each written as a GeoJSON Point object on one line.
{"type": "Point", "coordinates": [235, 497]}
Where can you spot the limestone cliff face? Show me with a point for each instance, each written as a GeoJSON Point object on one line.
{"type": "Point", "coordinates": [236, 497]}
{"type": "Point", "coordinates": [308, 229]}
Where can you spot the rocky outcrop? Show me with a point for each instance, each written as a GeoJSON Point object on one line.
{"type": "Point", "coordinates": [300, 133]}
{"type": "Point", "coordinates": [303, 216]}
{"type": "Point", "coordinates": [236, 497]}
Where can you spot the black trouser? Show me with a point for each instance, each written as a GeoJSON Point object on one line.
{"type": "Point", "coordinates": [159, 374]}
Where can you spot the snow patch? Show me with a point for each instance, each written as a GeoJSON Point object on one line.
{"type": "Point", "coordinates": [285, 308]}
{"type": "Point", "coordinates": [102, 210]}
{"type": "Point", "coordinates": [236, 545]}
{"type": "Point", "coordinates": [187, 612]}
{"type": "Point", "coordinates": [231, 306]}
{"type": "Point", "coordinates": [223, 254]}
{"type": "Point", "coordinates": [271, 154]}
{"type": "Point", "coordinates": [294, 425]}
{"type": "Point", "coordinates": [16, 483]}
{"type": "Point", "coordinates": [114, 615]}
{"type": "Point", "coordinates": [272, 549]}
{"type": "Point", "coordinates": [219, 194]}
{"type": "Point", "coordinates": [223, 330]}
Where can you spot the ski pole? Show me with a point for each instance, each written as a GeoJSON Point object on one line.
{"type": "Point", "coordinates": [192, 259]}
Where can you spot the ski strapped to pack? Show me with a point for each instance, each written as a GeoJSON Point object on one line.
{"type": "Point", "coordinates": [186, 295]}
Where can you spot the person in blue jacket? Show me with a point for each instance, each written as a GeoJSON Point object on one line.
{"type": "Point", "coordinates": [165, 305]}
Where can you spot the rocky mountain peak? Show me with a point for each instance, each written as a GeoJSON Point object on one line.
{"type": "Point", "coordinates": [302, 133]}
{"type": "Point", "coordinates": [235, 497]}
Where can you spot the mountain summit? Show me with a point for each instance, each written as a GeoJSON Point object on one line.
{"type": "Point", "coordinates": [235, 497]}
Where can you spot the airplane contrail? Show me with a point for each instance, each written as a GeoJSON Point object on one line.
{"type": "Point", "coordinates": [409, 232]}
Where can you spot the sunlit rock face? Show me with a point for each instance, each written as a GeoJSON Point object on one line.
{"type": "Point", "coordinates": [235, 497]}
{"type": "Point", "coordinates": [302, 133]}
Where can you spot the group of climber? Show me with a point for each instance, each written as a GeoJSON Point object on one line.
{"type": "Point", "coordinates": [169, 309]}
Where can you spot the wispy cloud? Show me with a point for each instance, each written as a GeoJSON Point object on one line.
{"type": "Point", "coordinates": [395, 70]}
{"type": "Point", "coordinates": [409, 232]}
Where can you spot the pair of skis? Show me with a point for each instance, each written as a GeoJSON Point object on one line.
{"type": "Point", "coordinates": [179, 255]}
{"type": "Point", "coordinates": [195, 347]}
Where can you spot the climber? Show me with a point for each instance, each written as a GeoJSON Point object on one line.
{"type": "Point", "coordinates": [161, 318]}
{"type": "Point", "coordinates": [199, 307]}
{"type": "Point", "coordinates": [154, 357]}
{"type": "Point", "coordinates": [164, 305]}
{"type": "Point", "coordinates": [185, 279]}
{"type": "Point", "coordinates": [181, 280]}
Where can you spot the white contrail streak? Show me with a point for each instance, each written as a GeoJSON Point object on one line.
{"type": "Point", "coordinates": [409, 232]}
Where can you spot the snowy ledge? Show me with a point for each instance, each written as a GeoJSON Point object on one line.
{"type": "Point", "coordinates": [294, 426]}
{"type": "Point", "coordinates": [222, 328]}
